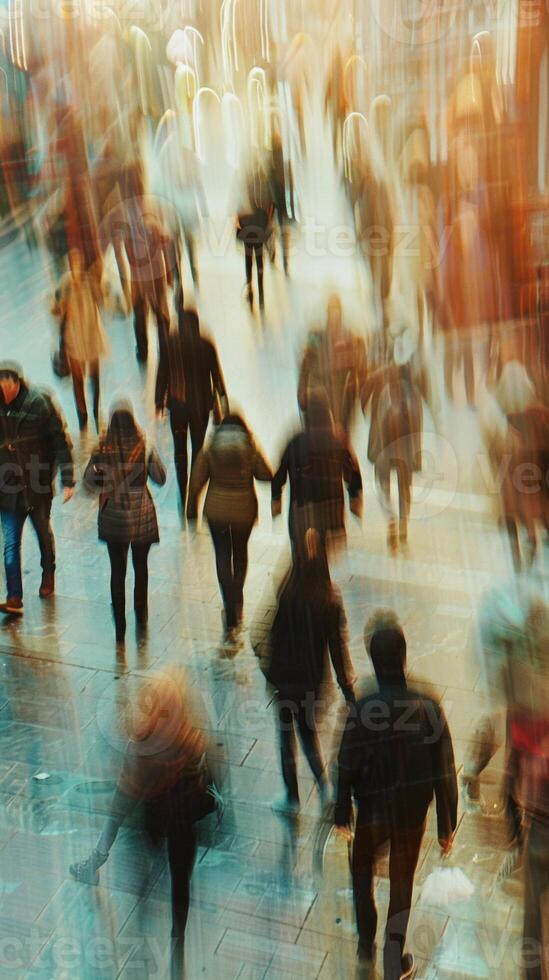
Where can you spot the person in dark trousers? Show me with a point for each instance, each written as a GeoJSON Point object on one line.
{"type": "Point", "coordinates": [317, 461]}
{"type": "Point", "coordinates": [308, 624]}
{"type": "Point", "coordinates": [229, 465]}
{"type": "Point", "coordinates": [166, 780]}
{"type": "Point", "coordinates": [119, 470]}
{"type": "Point", "coordinates": [34, 443]}
{"type": "Point", "coordinates": [254, 227]}
{"type": "Point", "coordinates": [190, 384]}
{"type": "Point", "coordinates": [395, 755]}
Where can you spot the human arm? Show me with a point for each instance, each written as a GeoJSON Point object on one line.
{"type": "Point", "coordinates": [345, 776]}
{"type": "Point", "coordinates": [217, 379]}
{"type": "Point", "coordinates": [445, 782]}
{"type": "Point", "coordinates": [60, 445]}
{"type": "Point", "coordinates": [262, 470]}
{"type": "Point", "coordinates": [156, 471]}
{"type": "Point", "coordinates": [278, 481]}
{"type": "Point", "coordinates": [199, 477]}
{"type": "Point", "coordinates": [339, 649]}
{"type": "Point", "coordinates": [353, 480]}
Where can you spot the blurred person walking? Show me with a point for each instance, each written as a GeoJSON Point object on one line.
{"type": "Point", "coordinates": [166, 778]}
{"type": "Point", "coordinates": [34, 444]}
{"type": "Point", "coordinates": [317, 462]}
{"type": "Point", "coordinates": [254, 227]}
{"type": "Point", "coordinates": [229, 465]}
{"type": "Point", "coordinates": [140, 235]}
{"type": "Point", "coordinates": [119, 470]}
{"type": "Point", "coordinates": [515, 425]}
{"type": "Point", "coordinates": [334, 359]}
{"type": "Point", "coordinates": [397, 390]}
{"type": "Point", "coordinates": [308, 624]}
{"type": "Point", "coordinates": [393, 767]}
{"type": "Point", "coordinates": [77, 302]}
{"type": "Point", "coordinates": [190, 385]}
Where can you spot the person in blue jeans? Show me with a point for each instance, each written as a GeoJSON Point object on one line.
{"type": "Point", "coordinates": [33, 444]}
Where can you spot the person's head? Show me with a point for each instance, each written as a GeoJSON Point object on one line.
{"type": "Point", "coordinates": [123, 430]}
{"type": "Point", "coordinates": [188, 322]}
{"type": "Point", "coordinates": [10, 380]}
{"type": "Point", "coordinates": [236, 421]}
{"type": "Point", "coordinates": [319, 416]}
{"type": "Point", "coordinates": [385, 642]}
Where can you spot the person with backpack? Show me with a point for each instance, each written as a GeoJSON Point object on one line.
{"type": "Point", "coordinates": [396, 390]}
{"type": "Point", "coordinates": [308, 632]}
{"type": "Point", "coordinates": [395, 755]}
{"type": "Point", "coordinates": [119, 470]}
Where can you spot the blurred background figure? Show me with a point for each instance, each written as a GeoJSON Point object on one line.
{"type": "Point", "coordinates": [515, 426]}
{"type": "Point", "coordinates": [334, 359]}
{"type": "Point", "coordinates": [308, 625]}
{"type": "Point", "coordinates": [190, 385]}
{"type": "Point", "coordinates": [393, 770]}
{"type": "Point", "coordinates": [254, 226]}
{"type": "Point", "coordinates": [317, 462]}
{"type": "Point", "coordinates": [77, 301]}
{"type": "Point", "coordinates": [166, 782]}
{"type": "Point", "coordinates": [229, 465]}
{"type": "Point", "coordinates": [397, 391]}
{"type": "Point", "coordinates": [34, 446]}
{"type": "Point", "coordinates": [281, 184]}
{"type": "Point", "coordinates": [119, 470]}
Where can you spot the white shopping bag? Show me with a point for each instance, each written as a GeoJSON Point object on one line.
{"type": "Point", "coordinates": [446, 886]}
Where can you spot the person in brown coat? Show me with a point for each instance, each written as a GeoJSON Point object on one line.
{"type": "Point", "coordinates": [229, 465]}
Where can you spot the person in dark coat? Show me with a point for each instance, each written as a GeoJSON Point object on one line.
{"type": "Point", "coordinates": [397, 390]}
{"type": "Point", "coordinates": [119, 469]}
{"type": "Point", "coordinates": [254, 227]}
{"type": "Point", "coordinates": [317, 462]}
{"type": "Point", "coordinates": [34, 443]}
{"type": "Point", "coordinates": [190, 385]}
{"type": "Point", "coordinates": [308, 624]}
{"type": "Point", "coordinates": [282, 193]}
{"type": "Point", "coordinates": [168, 779]}
{"type": "Point", "coordinates": [395, 755]}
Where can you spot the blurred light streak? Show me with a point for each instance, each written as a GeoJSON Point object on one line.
{"type": "Point", "coordinates": [143, 50]}
{"type": "Point", "coordinates": [348, 139]}
{"type": "Point", "coordinates": [197, 120]}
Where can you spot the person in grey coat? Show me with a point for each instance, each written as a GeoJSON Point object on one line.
{"type": "Point", "coordinates": [119, 469]}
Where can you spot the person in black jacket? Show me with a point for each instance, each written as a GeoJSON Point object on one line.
{"type": "Point", "coordinates": [34, 442]}
{"type": "Point", "coordinates": [119, 470]}
{"type": "Point", "coordinates": [317, 461]}
{"type": "Point", "coordinates": [189, 384]}
{"type": "Point", "coordinates": [396, 753]}
{"type": "Point", "coordinates": [309, 623]}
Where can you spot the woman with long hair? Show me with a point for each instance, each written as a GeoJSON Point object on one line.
{"type": "Point", "coordinates": [229, 465]}
{"type": "Point", "coordinates": [166, 779]}
{"type": "Point", "coordinates": [119, 470]}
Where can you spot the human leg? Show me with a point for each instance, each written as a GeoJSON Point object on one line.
{"type": "Point", "coordinates": [140, 309]}
{"type": "Point", "coordinates": [404, 499]}
{"type": "Point", "coordinates": [181, 858]}
{"type": "Point", "coordinates": [77, 375]}
{"type": "Point", "coordinates": [12, 529]}
{"type": "Point", "coordinates": [536, 887]}
{"type": "Point", "coordinates": [198, 425]}
{"type": "Point", "coordinates": [239, 539]}
{"type": "Point", "coordinates": [405, 847]}
{"type": "Point", "coordinates": [285, 714]}
{"type": "Point", "coordinates": [221, 538]}
{"type": "Point", "coordinates": [40, 520]}
{"type": "Point", "coordinates": [258, 249]}
{"type": "Point", "coordinates": [367, 841]}
{"type": "Point", "coordinates": [308, 736]}
{"type": "Point", "coordinates": [179, 422]}
{"type": "Point", "coordinates": [93, 370]}
{"type": "Point", "coordinates": [140, 556]}
{"type": "Point", "coordinates": [118, 554]}
{"type": "Point", "coordinates": [248, 259]}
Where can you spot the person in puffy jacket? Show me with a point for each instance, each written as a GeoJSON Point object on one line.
{"type": "Point", "coordinates": [229, 465]}
{"type": "Point", "coordinates": [119, 470]}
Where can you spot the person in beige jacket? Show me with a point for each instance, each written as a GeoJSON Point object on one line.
{"type": "Point", "coordinates": [229, 465]}
{"type": "Point", "coordinates": [77, 305]}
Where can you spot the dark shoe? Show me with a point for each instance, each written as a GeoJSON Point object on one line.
{"type": "Point", "coordinates": [366, 959]}
{"type": "Point", "coordinates": [12, 607]}
{"type": "Point", "coordinates": [82, 421]}
{"type": "Point", "coordinates": [47, 585]}
{"type": "Point", "coordinates": [87, 871]}
{"type": "Point", "coordinates": [407, 966]}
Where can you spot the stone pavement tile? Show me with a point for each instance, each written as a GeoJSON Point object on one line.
{"type": "Point", "coordinates": [270, 929]}
{"type": "Point", "coordinates": [21, 943]}
{"type": "Point", "coordinates": [78, 910]}
{"type": "Point", "coordinates": [86, 957]}
{"type": "Point", "coordinates": [241, 947]}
